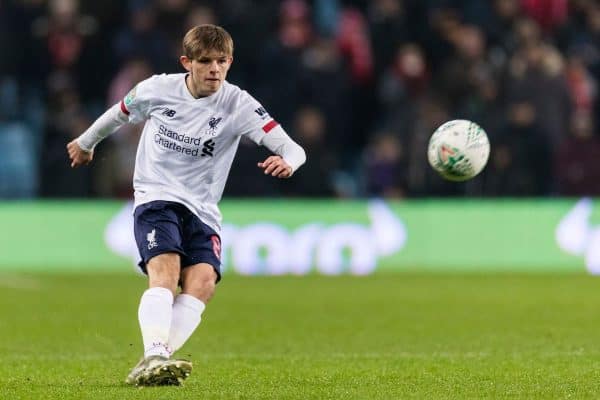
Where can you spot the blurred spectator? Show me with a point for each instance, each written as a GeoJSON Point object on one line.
{"type": "Point", "coordinates": [387, 24]}
{"type": "Point", "coordinates": [353, 39]}
{"type": "Point", "coordinates": [281, 60]}
{"type": "Point", "coordinates": [386, 167]}
{"type": "Point", "coordinates": [133, 71]}
{"type": "Point", "coordinates": [198, 15]}
{"type": "Point", "coordinates": [66, 40]}
{"type": "Point", "coordinates": [354, 43]}
{"type": "Point", "coordinates": [143, 38]}
{"type": "Point", "coordinates": [500, 29]}
{"type": "Point", "coordinates": [316, 180]}
{"type": "Point", "coordinates": [443, 23]}
{"type": "Point", "coordinates": [169, 16]}
{"type": "Point", "coordinates": [577, 169]}
{"type": "Point", "coordinates": [462, 73]}
{"type": "Point", "coordinates": [582, 85]}
{"type": "Point", "coordinates": [18, 161]}
{"type": "Point", "coordinates": [548, 13]}
{"type": "Point", "coordinates": [68, 121]}
{"type": "Point", "coordinates": [406, 80]}
{"type": "Point", "coordinates": [325, 83]}
{"type": "Point", "coordinates": [537, 75]}
{"type": "Point", "coordinates": [401, 87]}
{"type": "Point", "coordinates": [520, 161]}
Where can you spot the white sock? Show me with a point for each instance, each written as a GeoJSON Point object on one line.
{"type": "Point", "coordinates": [154, 314]}
{"type": "Point", "coordinates": [187, 314]}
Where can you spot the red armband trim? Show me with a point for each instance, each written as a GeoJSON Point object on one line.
{"type": "Point", "coordinates": [272, 124]}
{"type": "Point", "coordinates": [123, 108]}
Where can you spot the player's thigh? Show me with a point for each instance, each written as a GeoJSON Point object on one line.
{"type": "Point", "coordinates": [158, 231]}
{"type": "Point", "coordinates": [202, 245]}
{"type": "Point", "coordinates": [164, 270]}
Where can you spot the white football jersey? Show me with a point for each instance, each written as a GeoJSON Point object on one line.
{"type": "Point", "coordinates": [188, 144]}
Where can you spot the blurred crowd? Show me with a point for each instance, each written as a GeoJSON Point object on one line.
{"type": "Point", "coordinates": [361, 85]}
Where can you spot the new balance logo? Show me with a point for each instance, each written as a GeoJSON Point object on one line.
{"type": "Point", "coordinates": [261, 112]}
{"type": "Point", "coordinates": [151, 238]}
{"type": "Point", "coordinates": [169, 113]}
{"type": "Point", "coordinates": [208, 148]}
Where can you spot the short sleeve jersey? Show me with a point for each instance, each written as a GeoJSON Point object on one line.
{"type": "Point", "coordinates": [188, 144]}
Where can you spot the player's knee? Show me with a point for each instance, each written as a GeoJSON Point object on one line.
{"type": "Point", "coordinates": [163, 271]}
{"type": "Point", "coordinates": [205, 285]}
{"type": "Point", "coordinates": [201, 284]}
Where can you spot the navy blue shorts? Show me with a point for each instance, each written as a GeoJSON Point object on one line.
{"type": "Point", "coordinates": [168, 227]}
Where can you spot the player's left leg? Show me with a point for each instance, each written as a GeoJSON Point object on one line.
{"type": "Point", "coordinates": [198, 284]}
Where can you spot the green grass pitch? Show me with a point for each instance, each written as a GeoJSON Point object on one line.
{"type": "Point", "coordinates": [380, 337]}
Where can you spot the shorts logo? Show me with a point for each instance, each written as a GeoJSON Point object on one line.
{"type": "Point", "coordinates": [216, 246]}
{"type": "Point", "coordinates": [151, 238]}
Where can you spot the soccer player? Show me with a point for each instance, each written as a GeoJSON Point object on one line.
{"type": "Point", "coordinates": [194, 122]}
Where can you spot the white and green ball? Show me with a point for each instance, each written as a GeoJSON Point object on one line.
{"type": "Point", "coordinates": [458, 150]}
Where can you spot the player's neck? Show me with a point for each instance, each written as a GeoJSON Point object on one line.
{"type": "Point", "coordinates": [189, 83]}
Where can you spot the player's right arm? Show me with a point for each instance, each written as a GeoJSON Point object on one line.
{"type": "Point", "coordinates": [81, 150]}
{"type": "Point", "coordinates": [133, 108]}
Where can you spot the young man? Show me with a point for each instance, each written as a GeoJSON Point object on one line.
{"type": "Point", "coordinates": [194, 122]}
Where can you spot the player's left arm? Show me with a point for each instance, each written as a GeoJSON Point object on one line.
{"type": "Point", "coordinates": [255, 122]}
{"type": "Point", "coordinates": [289, 155]}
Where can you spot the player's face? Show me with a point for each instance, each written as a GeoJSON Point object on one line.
{"type": "Point", "coordinates": [207, 72]}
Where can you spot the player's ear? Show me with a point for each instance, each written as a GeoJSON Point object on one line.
{"type": "Point", "coordinates": [186, 63]}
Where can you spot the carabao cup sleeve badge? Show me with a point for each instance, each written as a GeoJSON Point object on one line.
{"type": "Point", "coordinates": [130, 97]}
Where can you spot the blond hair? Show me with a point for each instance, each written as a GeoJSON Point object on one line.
{"type": "Point", "coordinates": [207, 37]}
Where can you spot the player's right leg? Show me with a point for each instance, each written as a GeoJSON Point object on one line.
{"type": "Point", "coordinates": [156, 306]}
{"type": "Point", "coordinates": [158, 237]}
{"type": "Point", "coordinates": [155, 314]}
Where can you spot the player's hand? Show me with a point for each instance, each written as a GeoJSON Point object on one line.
{"type": "Point", "coordinates": [77, 155]}
{"type": "Point", "coordinates": [276, 166]}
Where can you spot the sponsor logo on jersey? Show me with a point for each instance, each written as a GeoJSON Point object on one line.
{"type": "Point", "coordinates": [208, 148]}
{"type": "Point", "coordinates": [183, 143]}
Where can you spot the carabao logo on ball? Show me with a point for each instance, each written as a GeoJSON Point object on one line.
{"type": "Point", "coordinates": [454, 164]}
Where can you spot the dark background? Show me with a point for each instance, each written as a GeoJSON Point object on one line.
{"type": "Point", "coordinates": [361, 85]}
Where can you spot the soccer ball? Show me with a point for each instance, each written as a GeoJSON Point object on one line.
{"type": "Point", "coordinates": [458, 150]}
